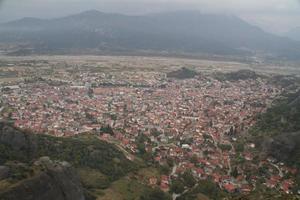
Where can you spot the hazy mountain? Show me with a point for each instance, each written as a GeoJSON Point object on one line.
{"type": "Point", "coordinates": [174, 32]}
{"type": "Point", "coordinates": [294, 34]}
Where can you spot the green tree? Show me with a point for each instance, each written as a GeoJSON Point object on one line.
{"type": "Point", "coordinates": [188, 179]}
{"type": "Point", "coordinates": [107, 129]}
{"type": "Point", "coordinates": [239, 147]}
{"type": "Point", "coordinates": [234, 172]}
{"type": "Point", "coordinates": [141, 148]}
{"type": "Point", "coordinates": [165, 169]}
{"type": "Point", "coordinates": [177, 187]}
{"type": "Point", "coordinates": [155, 194]}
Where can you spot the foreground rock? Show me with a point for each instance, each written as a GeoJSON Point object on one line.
{"type": "Point", "coordinates": [4, 172]}
{"type": "Point", "coordinates": [57, 180]}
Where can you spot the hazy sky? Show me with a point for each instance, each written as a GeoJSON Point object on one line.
{"type": "Point", "coordinates": [273, 15]}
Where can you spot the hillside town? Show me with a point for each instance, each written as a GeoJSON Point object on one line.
{"type": "Point", "coordinates": [195, 123]}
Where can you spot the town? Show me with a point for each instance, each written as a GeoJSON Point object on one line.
{"type": "Point", "coordinates": [193, 123]}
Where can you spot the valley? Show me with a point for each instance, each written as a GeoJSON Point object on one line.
{"type": "Point", "coordinates": [181, 126]}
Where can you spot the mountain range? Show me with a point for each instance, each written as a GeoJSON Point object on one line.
{"type": "Point", "coordinates": [189, 32]}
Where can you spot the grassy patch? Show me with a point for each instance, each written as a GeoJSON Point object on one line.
{"type": "Point", "coordinates": [146, 173]}
{"type": "Point", "coordinates": [4, 184]}
{"type": "Point", "coordinates": [93, 179]}
{"type": "Point", "coordinates": [124, 189]}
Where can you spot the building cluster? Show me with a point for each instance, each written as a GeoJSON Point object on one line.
{"type": "Point", "coordinates": [192, 122]}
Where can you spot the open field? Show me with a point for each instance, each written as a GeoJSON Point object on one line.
{"type": "Point", "coordinates": [128, 63]}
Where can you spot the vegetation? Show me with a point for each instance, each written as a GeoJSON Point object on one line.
{"type": "Point", "coordinates": [177, 186]}
{"type": "Point", "coordinates": [206, 187]}
{"type": "Point", "coordinates": [104, 171]}
{"type": "Point", "coordinates": [85, 151]}
{"type": "Point", "coordinates": [283, 117]}
{"type": "Point", "coordinates": [155, 194]}
{"type": "Point", "coordinates": [107, 129]}
{"type": "Point", "coordinates": [93, 179]}
{"type": "Point", "coordinates": [278, 131]}
{"type": "Point", "coordinates": [235, 76]}
{"type": "Point", "coordinates": [188, 179]}
{"type": "Point", "coordinates": [183, 73]}
{"type": "Point", "coordinates": [225, 147]}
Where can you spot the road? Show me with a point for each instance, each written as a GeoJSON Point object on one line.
{"type": "Point", "coordinates": [175, 196]}
{"type": "Point", "coordinates": [279, 170]}
{"type": "Point", "coordinates": [229, 160]}
{"type": "Point", "coordinates": [174, 169]}
{"type": "Point", "coordinates": [1, 109]}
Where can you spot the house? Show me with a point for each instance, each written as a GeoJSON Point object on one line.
{"type": "Point", "coordinates": [248, 156]}
{"type": "Point", "coordinates": [286, 185]}
{"type": "Point", "coordinates": [185, 146]}
{"type": "Point", "coordinates": [271, 183]}
{"type": "Point", "coordinates": [152, 181]}
{"type": "Point", "coordinates": [199, 172]}
{"type": "Point", "coordinates": [164, 187]}
{"type": "Point", "coordinates": [229, 187]}
{"type": "Point", "coordinates": [164, 183]}
{"type": "Point", "coordinates": [246, 188]}
{"type": "Point", "coordinates": [164, 179]}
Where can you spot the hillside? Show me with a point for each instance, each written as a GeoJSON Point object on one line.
{"type": "Point", "coordinates": [236, 76]}
{"type": "Point", "coordinates": [277, 132]}
{"type": "Point", "coordinates": [81, 151]}
{"type": "Point", "coordinates": [175, 32]}
{"type": "Point", "coordinates": [183, 73]}
{"type": "Point", "coordinates": [283, 117]}
{"type": "Point", "coordinates": [96, 163]}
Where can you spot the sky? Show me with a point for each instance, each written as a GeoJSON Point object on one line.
{"type": "Point", "coordinates": [276, 16]}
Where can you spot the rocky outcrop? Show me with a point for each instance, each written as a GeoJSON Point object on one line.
{"type": "Point", "coordinates": [24, 146]}
{"type": "Point", "coordinates": [56, 181]}
{"type": "Point", "coordinates": [16, 139]}
{"type": "Point", "coordinates": [4, 172]}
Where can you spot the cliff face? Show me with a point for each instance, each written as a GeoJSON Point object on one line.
{"type": "Point", "coordinates": [57, 180]}
{"type": "Point", "coordinates": [80, 151]}
{"type": "Point", "coordinates": [51, 180]}
{"type": "Point", "coordinates": [14, 138]}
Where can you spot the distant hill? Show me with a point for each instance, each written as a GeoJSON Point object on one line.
{"type": "Point", "coordinates": [175, 32]}
{"type": "Point", "coordinates": [237, 75]}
